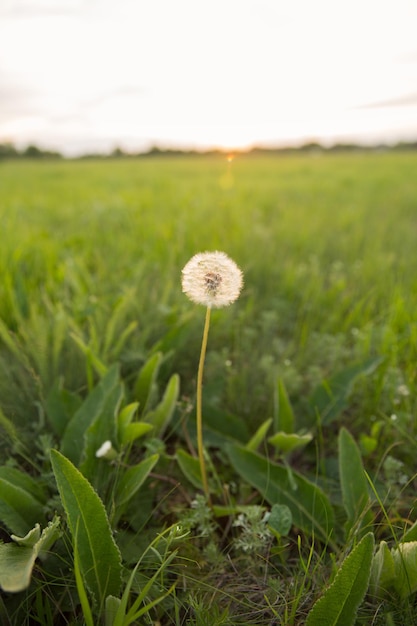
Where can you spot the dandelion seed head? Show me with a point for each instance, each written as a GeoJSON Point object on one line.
{"type": "Point", "coordinates": [212, 279]}
{"type": "Point", "coordinates": [213, 282]}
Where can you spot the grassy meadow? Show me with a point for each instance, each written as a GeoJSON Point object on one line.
{"type": "Point", "coordinates": [309, 392]}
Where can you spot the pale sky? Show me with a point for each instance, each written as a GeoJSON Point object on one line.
{"type": "Point", "coordinates": [90, 75]}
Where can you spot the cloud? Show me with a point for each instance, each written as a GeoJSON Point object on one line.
{"type": "Point", "coordinates": [17, 100]}
{"type": "Point", "coordinates": [226, 72]}
{"type": "Point", "coordinates": [125, 92]}
{"type": "Point", "coordinates": [405, 100]}
{"type": "Point", "coordinates": [42, 8]}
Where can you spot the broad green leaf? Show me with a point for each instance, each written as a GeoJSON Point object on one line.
{"type": "Point", "coordinates": [19, 509]}
{"type": "Point", "coordinates": [284, 416]}
{"type": "Point", "coordinates": [353, 480]}
{"type": "Point", "coordinates": [126, 416]}
{"type": "Point", "coordinates": [60, 406]}
{"type": "Point", "coordinates": [394, 569]}
{"type": "Point", "coordinates": [29, 540]}
{"type": "Point", "coordinates": [286, 443]}
{"type": "Point", "coordinates": [128, 430]}
{"type": "Point", "coordinates": [146, 381]}
{"type": "Point", "coordinates": [81, 588]}
{"type": "Point", "coordinates": [339, 604]}
{"type": "Point", "coordinates": [190, 467]}
{"type": "Point", "coordinates": [41, 542]}
{"type": "Point", "coordinates": [18, 558]}
{"type": "Point", "coordinates": [220, 428]}
{"type": "Point", "coordinates": [133, 478]}
{"type": "Point", "coordinates": [309, 505]}
{"type": "Point", "coordinates": [280, 519]}
{"type": "Point", "coordinates": [330, 398]}
{"type": "Point", "coordinates": [24, 481]}
{"type": "Point", "coordinates": [16, 565]}
{"type": "Point", "coordinates": [367, 444]}
{"type": "Point", "coordinates": [161, 415]}
{"type": "Point", "coordinates": [134, 431]}
{"type": "Point", "coordinates": [103, 428]}
{"type": "Point", "coordinates": [259, 436]}
{"type": "Point", "coordinates": [72, 443]}
{"type": "Point", "coordinates": [110, 610]}
{"type": "Point", "coordinates": [382, 577]}
{"type": "Point", "coordinates": [410, 534]}
{"type": "Point", "coordinates": [405, 566]}
{"type": "Point", "coordinates": [99, 557]}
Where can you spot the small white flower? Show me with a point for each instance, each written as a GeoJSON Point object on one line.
{"type": "Point", "coordinates": [212, 279]}
{"type": "Point", "coordinates": [106, 451]}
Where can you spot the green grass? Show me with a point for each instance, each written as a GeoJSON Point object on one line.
{"type": "Point", "coordinates": [90, 261]}
{"type": "Point", "coordinates": [326, 244]}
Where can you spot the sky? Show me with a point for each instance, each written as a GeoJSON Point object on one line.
{"type": "Point", "coordinates": [92, 75]}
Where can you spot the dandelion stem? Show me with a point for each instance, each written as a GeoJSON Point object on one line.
{"type": "Point", "coordinates": [199, 406]}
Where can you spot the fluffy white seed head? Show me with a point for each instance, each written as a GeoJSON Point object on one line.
{"type": "Point", "coordinates": [212, 279]}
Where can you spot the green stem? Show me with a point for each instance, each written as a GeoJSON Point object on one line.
{"type": "Point", "coordinates": [199, 406]}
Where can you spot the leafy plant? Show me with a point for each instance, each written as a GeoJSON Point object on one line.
{"type": "Point", "coordinates": [98, 558]}
{"type": "Point", "coordinates": [395, 571]}
{"type": "Point", "coordinates": [330, 398]}
{"type": "Point", "coordinates": [354, 484]}
{"type": "Point", "coordinates": [310, 508]}
{"type": "Point", "coordinates": [17, 558]}
{"type": "Point", "coordinates": [339, 604]}
{"type": "Point", "coordinates": [22, 500]}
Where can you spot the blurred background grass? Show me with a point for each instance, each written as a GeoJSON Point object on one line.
{"type": "Point", "coordinates": [326, 243]}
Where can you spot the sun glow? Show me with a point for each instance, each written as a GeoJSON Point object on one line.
{"type": "Point", "coordinates": [288, 75]}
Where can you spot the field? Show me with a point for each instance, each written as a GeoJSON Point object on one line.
{"type": "Point", "coordinates": [308, 399]}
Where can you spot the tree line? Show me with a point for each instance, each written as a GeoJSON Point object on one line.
{"type": "Point", "coordinates": [9, 151]}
